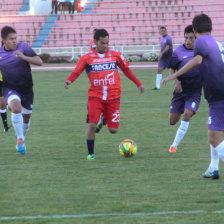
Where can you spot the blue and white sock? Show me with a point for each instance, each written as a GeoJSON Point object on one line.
{"type": "Point", "coordinates": [17, 122]}
{"type": "Point", "coordinates": [220, 149]}
{"type": "Point", "coordinates": [158, 80]}
{"type": "Point", "coordinates": [181, 131]}
{"type": "Point", "coordinates": [214, 164]}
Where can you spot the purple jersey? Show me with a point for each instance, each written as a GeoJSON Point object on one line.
{"type": "Point", "coordinates": [212, 67]}
{"type": "Point", "coordinates": [190, 81]}
{"type": "Point", "coordinates": [15, 71]}
{"type": "Point", "coordinates": [164, 41]}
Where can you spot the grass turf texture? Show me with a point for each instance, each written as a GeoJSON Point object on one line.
{"type": "Point", "coordinates": [54, 177]}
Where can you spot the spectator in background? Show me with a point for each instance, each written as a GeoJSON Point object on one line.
{"type": "Point", "coordinates": [54, 6]}
{"type": "Point", "coordinates": [79, 6]}
{"type": "Point", "coordinates": [71, 6]}
{"type": "Point", "coordinates": [62, 4]}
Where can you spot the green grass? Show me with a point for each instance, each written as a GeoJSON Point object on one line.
{"type": "Point", "coordinates": [54, 177]}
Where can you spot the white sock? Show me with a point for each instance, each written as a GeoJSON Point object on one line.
{"type": "Point", "coordinates": [214, 164]}
{"type": "Point", "coordinates": [220, 149]}
{"type": "Point", "coordinates": [26, 127]}
{"type": "Point", "coordinates": [181, 131]}
{"type": "Point", "coordinates": [2, 111]}
{"type": "Point", "coordinates": [158, 80]}
{"type": "Point", "coordinates": [17, 122]}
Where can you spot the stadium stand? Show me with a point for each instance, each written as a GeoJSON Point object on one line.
{"type": "Point", "coordinates": [10, 7]}
{"type": "Point", "coordinates": [132, 22]}
{"type": "Point", "coordinates": [27, 27]}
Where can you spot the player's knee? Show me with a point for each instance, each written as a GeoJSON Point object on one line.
{"type": "Point", "coordinates": [2, 106]}
{"type": "Point", "coordinates": [174, 118]}
{"type": "Point", "coordinates": [173, 122]}
{"type": "Point", "coordinates": [92, 125]}
{"type": "Point", "coordinates": [187, 116]}
{"type": "Point", "coordinates": [112, 130]}
{"type": "Point", "coordinates": [213, 140]}
{"type": "Point", "coordinates": [15, 106]}
{"type": "Point", "coordinates": [16, 109]}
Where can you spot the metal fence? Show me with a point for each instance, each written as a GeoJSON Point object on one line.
{"type": "Point", "coordinates": [74, 52]}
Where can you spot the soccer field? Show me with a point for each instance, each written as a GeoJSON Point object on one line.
{"type": "Point", "coordinates": [55, 184]}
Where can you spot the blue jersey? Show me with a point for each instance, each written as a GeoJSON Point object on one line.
{"type": "Point", "coordinates": [15, 71]}
{"type": "Point", "coordinates": [212, 67]}
{"type": "Point", "coordinates": [191, 80]}
{"type": "Point", "coordinates": [164, 41]}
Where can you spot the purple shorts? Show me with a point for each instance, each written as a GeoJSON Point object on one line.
{"type": "Point", "coordinates": [164, 63]}
{"type": "Point", "coordinates": [180, 102]}
{"type": "Point", "coordinates": [216, 116]}
{"type": "Point", "coordinates": [26, 99]}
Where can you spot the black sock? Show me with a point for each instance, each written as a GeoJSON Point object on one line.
{"type": "Point", "coordinates": [90, 146]}
{"type": "Point", "coordinates": [4, 119]}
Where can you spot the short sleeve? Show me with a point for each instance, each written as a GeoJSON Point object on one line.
{"type": "Point", "coordinates": [200, 48]}
{"type": "Point", "coordinates": [169, 41]}
{"type": "Point", "coordinates": [174, 61]}
{"type": "Point", "coordinates": [28, 51]}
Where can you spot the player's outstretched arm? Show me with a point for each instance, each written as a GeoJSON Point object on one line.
{"type": "Point", "coordinates": [197, 60]}
{"type": "Point", "coordinates": [35, 60]}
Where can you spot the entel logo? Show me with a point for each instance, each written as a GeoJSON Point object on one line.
{"type": "Point", "coordinates": [108, 80]}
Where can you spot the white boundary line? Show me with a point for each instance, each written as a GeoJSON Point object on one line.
{"type": "Point", "coordinates": [111, 214]}
{"type": "Point", "coordinates": [61, 68]}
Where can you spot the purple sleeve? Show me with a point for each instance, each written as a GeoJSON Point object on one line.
{"type": "Point", "coordinates": [174, 61]}
{"type": "Point", "coordinates": [169, 41]}
{"type": "Point", "coordinates": [200, 48]}
{"type": "Point", "coordinates": [28, 51]}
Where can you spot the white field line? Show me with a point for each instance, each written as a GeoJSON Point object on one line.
{"type": "Point", "coordinates": [111, 214]}
{"type": "Point", "coordinates": [61, 68]}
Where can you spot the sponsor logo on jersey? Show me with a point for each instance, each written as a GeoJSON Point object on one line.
{"type": "Point", "coordinates": [108, 80]}
{"type": "Point", "coordinates": [98, 60]}
{"type": "Point", "coordinates": [103, 67]}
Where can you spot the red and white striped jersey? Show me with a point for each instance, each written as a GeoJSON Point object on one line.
{"type": "Point", "coordinates": [102, 71]}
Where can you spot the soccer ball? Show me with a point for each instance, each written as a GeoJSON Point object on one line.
{"type": "Point", "coordinates": [128, 148]}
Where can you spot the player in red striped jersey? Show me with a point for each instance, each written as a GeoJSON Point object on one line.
{"type": "Point", "coordinates": [101, 65]}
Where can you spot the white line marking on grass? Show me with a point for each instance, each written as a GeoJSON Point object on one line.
{"type": "Point", "coordinates": [109, 214]}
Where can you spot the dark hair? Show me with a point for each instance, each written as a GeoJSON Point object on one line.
{"type": "Point", "coordinates": [100, 33]}
{"type": "Point", "coordinates": [202, 23]}
{"type": "Point", "coordinates": [6, 30]}
{"type": "Point", "coordinates": [162, 28]}
{"type": "Point", "coordinates": [188, 29]}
